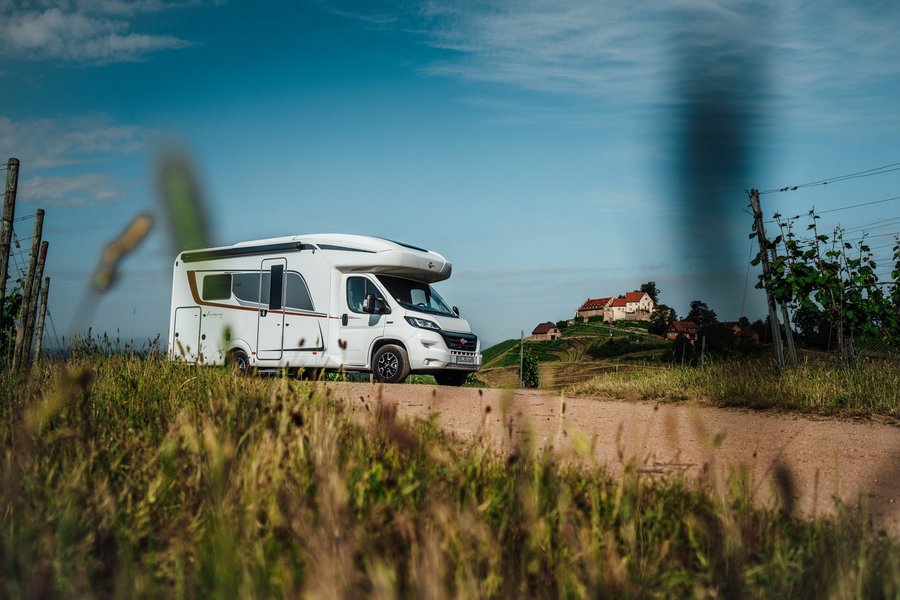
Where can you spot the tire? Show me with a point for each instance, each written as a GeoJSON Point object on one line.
{"type": "Point", "coordinates": [390, 364]}
{"type": "Point", "coordinates": [237, 360]}
{"type": "Point", "coordinates": [454, 378]}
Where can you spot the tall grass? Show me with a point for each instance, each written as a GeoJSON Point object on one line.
{"type": "Point", "coordinates": [872, 388]}
{"type": "Point", "coordinates": [127, 477]}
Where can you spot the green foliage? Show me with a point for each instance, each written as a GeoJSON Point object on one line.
{"type": "Point", "coordinates": [612, 347]}
{"type": "Point", "coordinates": [832, 286]}
{"type": "Point", "coordinates": [531, 371]}
{"type": "Point", "coordinates": [661, 318]}
{"type": "Point", "coordinates": [701, 314]}
{"type": "Point", "coordinates": [489, 354]}
{"type": "Point", "coordinates": [142, 478]}
{"type": "Point", "coordinates": [10, 312]}
{"type": "Point", "coordinates": [651, 290]}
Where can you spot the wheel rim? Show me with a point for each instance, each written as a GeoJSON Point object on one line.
{"type": "Point", "coordinates": [388, 365]}
{"type": "Point", "coordinates": [240, 362]}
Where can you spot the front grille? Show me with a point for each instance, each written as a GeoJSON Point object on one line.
{"type": "Point", "coordinates": [464, 342]}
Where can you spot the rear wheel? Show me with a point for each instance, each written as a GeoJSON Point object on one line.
{"type": "Point", "coordinates": [455, 378]}
{"type": "Point", "coordinates": [238, 361]}
{"type": "Point", "coordinates": [390, 364]}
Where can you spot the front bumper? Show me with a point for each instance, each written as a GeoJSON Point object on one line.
{"type": "Point", "coordinates": [429, 352]}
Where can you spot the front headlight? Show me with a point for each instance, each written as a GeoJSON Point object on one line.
{"type": "Point", "coordinates": [423, 323]}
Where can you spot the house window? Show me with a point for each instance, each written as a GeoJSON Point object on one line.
{"type": "Point", "coordinates": [217, 287]}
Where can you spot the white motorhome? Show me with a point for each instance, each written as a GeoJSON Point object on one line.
{"type": "Point", "coordinates": [320, 302]}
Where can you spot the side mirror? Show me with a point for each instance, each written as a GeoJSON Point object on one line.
{"type": "Point", "coordinates": [455, 311]}
{"type": "Point", "coordinates": [369, 304]}
{"type": "Point", "coordinates": [374, 305]}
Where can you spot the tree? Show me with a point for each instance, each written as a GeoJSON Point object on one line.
{"type": "Point", "coordinates": [660, 319]}
{"type": "Point", "coordinates": [531, 373]}
{"type": "Point", "coordinates": [651, 290]}
{"type": "Point", "coordinates": [683, 351]}
{"type": "Point", "coordinates": [701, 314]}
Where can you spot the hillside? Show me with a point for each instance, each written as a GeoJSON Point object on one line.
{"type": "Point", "coordinates": [584, 351]}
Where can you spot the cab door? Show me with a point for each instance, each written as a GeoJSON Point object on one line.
{"type": "Point", "coordinates": [270, 322]}
{"type": "Point", "coordinates": [359, 330]}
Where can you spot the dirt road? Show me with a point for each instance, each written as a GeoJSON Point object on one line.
{"type": "Point", "coordinates": [824, 457]}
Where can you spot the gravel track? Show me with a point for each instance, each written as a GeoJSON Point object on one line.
{"type": "Point", "coordinates": [818, 457]}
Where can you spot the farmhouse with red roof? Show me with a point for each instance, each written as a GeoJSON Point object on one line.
{"type": "Point", "coordinates": [546, 331]}
{"type": "Point", "coordinates": [633, 306]}
{"type": "Point", "coordinates": [686, 328]}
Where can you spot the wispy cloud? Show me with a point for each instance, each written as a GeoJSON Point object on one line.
{"type": "Point", "coordinates": [90, 31]}
{"type": "Point", "coordinates": [47, 143]}
{"type": "Point", "coordinates": [85, 189]}
{"type": "Point", "coordinates": [822, 62]}
{"type": "Point", "coordinates": [48, 148]}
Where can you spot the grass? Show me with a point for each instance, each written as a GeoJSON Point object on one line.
{"type": "Point", "coordinates": [126, 477]}
{"type": "Point", "coordinates": [873, 388]}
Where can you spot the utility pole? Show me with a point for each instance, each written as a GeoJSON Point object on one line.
{"type": "Point", "coordinates": [9, 214]}
{"type": "Point", "coordinates": [32, 307]}
{"type": "Point", "coordinates": [788, 334]}
{"type": "Point", "coordinates": [27, 284]}
{"type": "Point", "coordinates": [41, 317]}
{"type": "Point", "coordinates": [703, 351]}
{"type": "Point", "coordinates": [764, 253]}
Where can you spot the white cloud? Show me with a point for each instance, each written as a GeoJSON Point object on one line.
{"type": "Point", "coordinates": [91, 31]}
{"type": "Point", "coordinates": [45, 143]}
{"type": "Point", "coordinates": [85, 189]}
{"type": "Point", "coordinates": [48, 149]}
{"type": "Point", "coordinates": [822, 62]}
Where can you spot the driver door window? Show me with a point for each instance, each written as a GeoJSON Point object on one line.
{"type": "Point", "coordinates": [357, 290]}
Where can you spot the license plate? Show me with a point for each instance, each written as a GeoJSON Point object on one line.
{"type": "Point", "coordinates": [465, 360]}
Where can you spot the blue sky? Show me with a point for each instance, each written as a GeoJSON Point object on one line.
{"type": "Point", "coordinates": [552, 151]}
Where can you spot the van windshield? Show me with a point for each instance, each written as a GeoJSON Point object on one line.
{"type": "Point", "coordinates": [416, 295]}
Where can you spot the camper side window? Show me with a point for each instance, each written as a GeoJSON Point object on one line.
{"type": "Point", "coordinates": [217, 287]}
{"type": "Point", "coordinates": [296, 293]}
{"type": "Point", "coordinates": [245, 287]}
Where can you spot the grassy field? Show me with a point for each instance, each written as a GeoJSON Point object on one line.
{"type": "Point", "coordinates": [873, 388]}
{"type": "Point", "coordinates": [125, 477]}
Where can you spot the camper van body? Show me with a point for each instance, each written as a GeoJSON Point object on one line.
{"type": "Point", "coordinates": [319, 302]}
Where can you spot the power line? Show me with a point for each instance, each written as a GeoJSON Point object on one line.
{"type": "Point", "coordinates": [867, 236]}
{"type": "Point", "coordinates": [831, 210]}
{"type": "Point", "coordinates": [24, 217]}
{"type": "Point", "coordinates": [875, 224]}
{"type": "Point", "coordinates": [858, 175]}
{"type": "Point", "coordinates": [825, 212]}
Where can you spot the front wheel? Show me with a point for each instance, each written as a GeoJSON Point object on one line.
{"type": "Point", "coordinates": [390, 364]}
{"type": "Point", "coordinates": [454, 378]}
